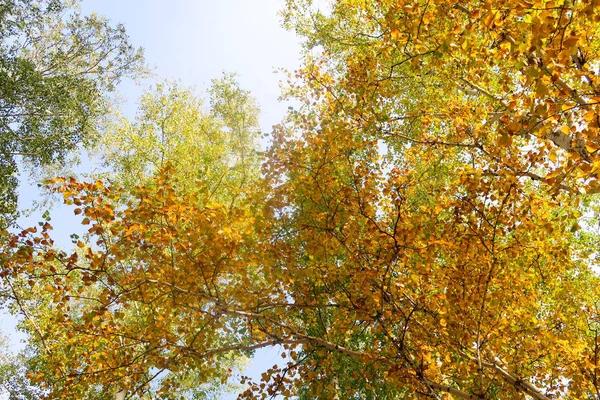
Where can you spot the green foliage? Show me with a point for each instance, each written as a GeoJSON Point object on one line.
{"type": "Point", "coordinates": [56, 67]}
{"type": "Point", "coordinates": [213, 152]}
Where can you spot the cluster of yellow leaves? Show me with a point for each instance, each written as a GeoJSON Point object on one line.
{"type": "Point", "coordinates": [433, 174]}
{"type": "Point", "coordinates": [143, 296]}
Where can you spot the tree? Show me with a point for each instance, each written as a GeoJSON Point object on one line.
{"type": "Point", "coordinates": [416, 233]}
{"type": "Point", "coordinates": [440, 91]}
{"type": "Point", "coordinates": [212, 151]}
{"type": "Point", "coordinates": [13, 379]}
{"type": "Point", "coordinates": [56, 67]}
{"type": "Point", "coordinates": [213, 157]}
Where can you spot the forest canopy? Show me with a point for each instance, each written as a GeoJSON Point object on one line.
{"type": "Point", "coordinates": [422, 225]}
{"type": "Point", "coordinates": [57, 68]}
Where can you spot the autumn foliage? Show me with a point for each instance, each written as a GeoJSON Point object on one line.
{"type": "Point", "coordinates": [419, 229]}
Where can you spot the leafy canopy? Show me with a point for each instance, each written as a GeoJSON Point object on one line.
{"type": "Point", "coordinates": [213, 151]}
{"type": "Point", "coordinates": [210, 160]}
{"type": "Point", "coordinates": [415, 232]}
{"type": "Point", "coordinates": [56, 67]}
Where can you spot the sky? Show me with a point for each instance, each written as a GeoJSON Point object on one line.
{"type": "Point", "coordinates": [195, 41]}
{"type": "Point", "coordinates": [192, 41]}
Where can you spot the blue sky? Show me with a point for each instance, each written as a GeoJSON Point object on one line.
{"type": "Point", "coordinates": [193, 41]}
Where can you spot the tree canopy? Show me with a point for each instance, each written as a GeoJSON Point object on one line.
{"type": "Point", "coordinates": [420, 228]}
{"type": "Point", "coordinates": [56, 67]}
{"type": "Point", "coordinates": [213, 151]}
